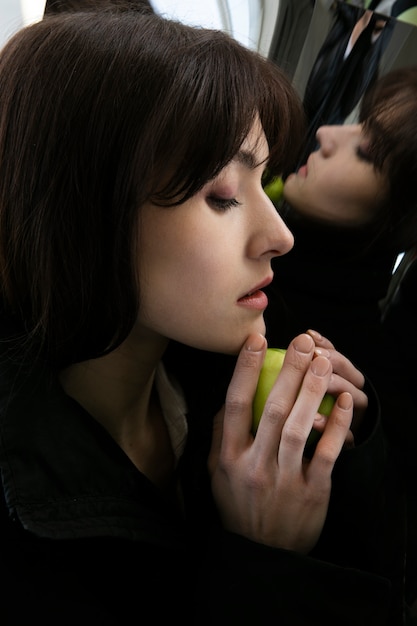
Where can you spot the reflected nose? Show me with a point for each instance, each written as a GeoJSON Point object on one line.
{"type": "Point", "coordinates": [330, 138]}
{"type": "Point", "coordinates": [326, 139]}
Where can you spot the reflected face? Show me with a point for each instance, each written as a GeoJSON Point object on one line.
{"type": "Point", "coordinates": [203, 264]}
{"type": "Point", "coordinates": [339, 182]}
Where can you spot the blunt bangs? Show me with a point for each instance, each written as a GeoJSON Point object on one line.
{"type": "Point", "coordinates": [214, 101]}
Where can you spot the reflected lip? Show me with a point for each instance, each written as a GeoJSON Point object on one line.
{"type": "Point", "coordinates": [303, 170]}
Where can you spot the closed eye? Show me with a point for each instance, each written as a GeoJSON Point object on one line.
{"type": "Point", "coordinates": [223, 204]}
{"type": "Point", "coordinates": [363, 154]}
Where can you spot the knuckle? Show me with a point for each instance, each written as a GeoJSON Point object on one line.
{"type": "Point", "coordinates": [301, 361]}
{"type": "Point", "coordinates": [316, 384]}
{"type": "Point", "coordinates": [342, 420]}
{"type": "Point", "coordinates": [293, 435]}
{"type": "Point", "coordinates": [275, 412]}
{"type": "Point", "coordinates": [326, 457]}
{"type": "Point", "coordinates": [235, 404]}
{"type": "Point", "coordinates": [250, 360]}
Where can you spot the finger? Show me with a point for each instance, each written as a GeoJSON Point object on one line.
{"type": "Point", "coordinates": [237, 420]}
{"type": "Point", "coordinates": [320, 424]}
{"type": "Point", "coordinates": [345, 368]}
{"type": "Point", "coordinates": [283, 395]}
{"type": "Point", "coordinates": [319, 340]}
{"type": "Point", "coordinates": [301, 419]}
{"type": "Point", "coordinates": [341, 364]}
{"type": "Point", "coordinates": [332, 440]}
{"type": "Point", "coordinates": [338, 385]}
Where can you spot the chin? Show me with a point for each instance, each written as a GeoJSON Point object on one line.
{"type": "Point", "coordinates": [219, 347]}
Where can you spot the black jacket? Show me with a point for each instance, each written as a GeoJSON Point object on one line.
{"type": "Point", "coordinates": [396, 377]}
{"type": "Point", "coordinates": [86, 539]}
{"type": "Point", "coordinates": [331, 281]}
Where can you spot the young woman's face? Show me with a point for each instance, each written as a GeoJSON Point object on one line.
{"type": "Point", "coordinates": [203, 264]}
{"type": "Point", "coordinates": [338, 183]}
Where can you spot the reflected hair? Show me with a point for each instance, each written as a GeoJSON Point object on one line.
{"type": "Point", "coordinates": [389, 115]}
{"type": "Point", "coordinates": [101, 112]}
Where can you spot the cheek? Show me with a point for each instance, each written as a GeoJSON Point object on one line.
{"type": "Point", "coordinates": [347, 189]}
{"type": "Point", "coordinates": [307, 195]}
{"type": "Point", "coordinates": [187, 301]}
{"type": "Point", "coordinates": [181, 273]}
{"type": "Point", "coordinates": [368, 192]}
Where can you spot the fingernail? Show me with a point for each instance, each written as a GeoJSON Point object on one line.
{"type": "Point", "coordinates": [315, 335]}
{"type": "Point", "coordinates": [321, 352]}
{"type": "Point", "coordinates": [255, 343]}
{"type": "Point", "coordinates": [303, 344]}
{"type": "Point", "coordinates": [345, 400]}
{"type": "Point", "coordinates": [320, 366]}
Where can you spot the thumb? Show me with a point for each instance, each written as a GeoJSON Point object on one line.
{"type": "Point", "coordinates": [216, 441]}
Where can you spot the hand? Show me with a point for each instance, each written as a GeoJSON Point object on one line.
{"type": "Point", "coordinates": [345, 378]}
{"type": "Point", "coordinates": [264, 487]}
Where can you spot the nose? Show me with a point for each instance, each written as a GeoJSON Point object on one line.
{"type": "Point", "coordinates": [271, 237]}
{"type": "Point", "coordinates": [331, 138]}
{"type": "Point", "coordinates": [326, 140]}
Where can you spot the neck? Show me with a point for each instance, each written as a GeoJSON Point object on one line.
{"type": "Point", "coordinates": [118, 391]}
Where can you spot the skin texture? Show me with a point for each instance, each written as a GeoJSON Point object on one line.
{"type": "Point", "coordinates": [338, 183]}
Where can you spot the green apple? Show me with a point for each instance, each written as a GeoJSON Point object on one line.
{"type": "Point", "coordinates": [274, 189]}
{"type": "Point", "coordinates": [271, 367]}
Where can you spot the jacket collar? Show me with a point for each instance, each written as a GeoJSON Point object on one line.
{"type": "Point", "coordinates": [63, 475]}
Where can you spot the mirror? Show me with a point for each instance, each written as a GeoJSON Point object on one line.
{"type": "Point", "coordinates": [332, 49]}
{"type": "Point", "coordinates": [335, 50]}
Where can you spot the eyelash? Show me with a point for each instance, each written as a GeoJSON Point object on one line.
{"type": "Point", "coordinates": [363, 155]}
{"type": "Point", "coordinates": [223, 204]}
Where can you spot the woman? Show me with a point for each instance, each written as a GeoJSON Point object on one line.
{"type": "Point", "coordinates": [352, 209]}
{"type": "Point", "coordinates": [132, 213]}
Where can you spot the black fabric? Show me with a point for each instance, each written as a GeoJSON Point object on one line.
{"type": "Point", "coordinates": [331, 281]}
{"type": "Point", "coordinates": [335, 282]}
{"type": "Point", "coordinates": [336, 84]}
{"type": "Point", "coordinates": [86, 539]}
{"type": "Point", "coordinates": [395, 377]}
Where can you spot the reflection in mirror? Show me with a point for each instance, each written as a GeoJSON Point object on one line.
{"type": "Point", "coordinates": [334, 51]}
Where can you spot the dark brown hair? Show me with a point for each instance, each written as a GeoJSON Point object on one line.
{"type": "Point", "coordinates": [100, 112]}
{"type": "Point", "coordinates": [65, 6]}
{"type": "Point", "coordinates": [389, 114]}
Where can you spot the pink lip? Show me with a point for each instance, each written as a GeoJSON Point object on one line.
{"type": "Point", "coordinates": [256, 299]}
